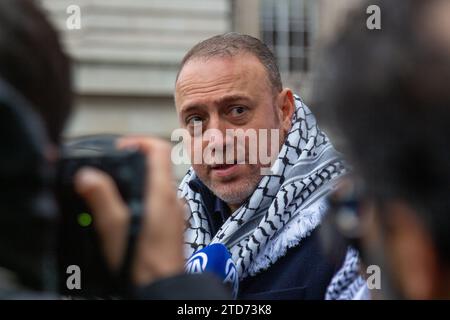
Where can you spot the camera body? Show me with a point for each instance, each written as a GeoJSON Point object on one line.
{"type": "Point", "coordinates": [79, 248]}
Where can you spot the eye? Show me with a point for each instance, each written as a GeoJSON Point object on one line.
{"type": "Point", "coordinates": [194, 120]}
{"type": "Point", "coordinates": [237, 111]}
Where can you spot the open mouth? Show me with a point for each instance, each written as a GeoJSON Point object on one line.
{"type": "Point", "coordinates": [222, 166]}
{"type": "Point", "coordinates": [223, 169]}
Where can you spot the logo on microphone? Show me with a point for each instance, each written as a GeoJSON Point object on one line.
{"type": "Point", "coordinates": [197, 263]}
{"type": "Point", "coordinates": [216, 259]}
{"type": "Point", "coordinates": [231, 276]}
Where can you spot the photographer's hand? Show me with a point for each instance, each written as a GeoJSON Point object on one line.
{"type": "Point", "coordinates": [159, 249]}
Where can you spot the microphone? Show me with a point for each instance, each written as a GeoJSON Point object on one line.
{"type": "Point", "coordinates": [215, 259]}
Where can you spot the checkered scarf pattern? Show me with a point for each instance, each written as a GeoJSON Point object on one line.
{"type": "Point", "coordinates": [286, 206]}
{"type": "Point", "coordinates": [347, 282]}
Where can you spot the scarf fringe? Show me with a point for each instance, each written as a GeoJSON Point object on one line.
{"type": "Point", "coordinates": [291, 235]}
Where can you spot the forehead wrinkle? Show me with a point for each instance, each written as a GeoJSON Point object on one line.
{"type": "Point", "coordinates": [221, 86]}
{"type": "Point", "coordinates": [238, 77]}
{"type": "Point", "coordinates": [204, 87]}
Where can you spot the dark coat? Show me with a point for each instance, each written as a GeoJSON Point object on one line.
{"type": "Point", "coordinates": [303, 273]}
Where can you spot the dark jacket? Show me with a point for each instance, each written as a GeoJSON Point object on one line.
{"type": "Point", "coordinates": [185, 287]}
{"type": "Point", "coordinates": [181, 287]}
{"type": "Point", "coordinates": [303, 273]}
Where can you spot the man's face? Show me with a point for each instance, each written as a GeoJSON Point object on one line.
{"type": "Point", "coordinates": [226, 93]}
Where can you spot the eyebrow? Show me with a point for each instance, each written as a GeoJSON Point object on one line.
{"type": "Point", "coordinates": [231, 98]}
{"type": "Point", "coordinates": [192, 107]}
{"type": "Point", "coordinates": [221, 101]}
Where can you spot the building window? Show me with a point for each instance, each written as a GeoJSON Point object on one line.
{"type": "Point", "coordinates": [287, 27]}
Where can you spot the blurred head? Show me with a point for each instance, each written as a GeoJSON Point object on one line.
{"type": "Point", "coordinates": [35, 76]}
{"type": "Point", "coordinates": [225, 83]}
{"type": "Point", "coordinates": [388, 95]}
{"type": "Point", "coordinates": [33, 62]}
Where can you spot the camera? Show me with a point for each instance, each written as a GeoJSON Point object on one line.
{"type": "Point", "coordinates": [78, 244]}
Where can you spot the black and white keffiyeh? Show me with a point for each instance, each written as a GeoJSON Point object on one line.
{"type": "Point", "coordinates": [347, 283]}
{"type": "Point", "coordinates": [286, 206]}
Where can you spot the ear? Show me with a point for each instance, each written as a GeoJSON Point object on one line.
{"type": "Point", "coordinates": [286, 108]}
{"type": "Point", "coordinates": [413, 255]}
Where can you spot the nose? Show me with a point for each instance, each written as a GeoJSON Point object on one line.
{"type": "Point", "coordinates": [214, 131]}
{"type": "Point", "coordinates": [216, 141]}
{"type": "Point", "coordinates": [215, 123]}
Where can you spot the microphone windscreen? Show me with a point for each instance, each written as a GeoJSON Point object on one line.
{"type": "Point", "coordinates": [215, 258]}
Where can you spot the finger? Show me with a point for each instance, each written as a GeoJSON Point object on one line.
{"type": "Point", "coordinates": [159, 167]}
{"type": "Point", "coordinates": [160, 244]}
{"type": "Point", "coordinates": [111, 218]}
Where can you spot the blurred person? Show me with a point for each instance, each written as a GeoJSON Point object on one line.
{"type": "Point", "coordinates": [386, 91]}
{"type": "Point", "coordinates": [267, 221]}
{"type": "Point", "coordinates": [35, 93]}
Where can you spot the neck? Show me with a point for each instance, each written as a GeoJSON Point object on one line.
{"type": "Point", "coordinates": [233, 207]}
